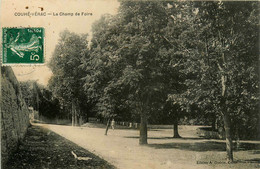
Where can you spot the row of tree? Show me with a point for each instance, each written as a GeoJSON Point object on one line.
{"type": "Point", "coordinates": [165, 58]}
{"type": "Point", "coordinates": [42, 100]}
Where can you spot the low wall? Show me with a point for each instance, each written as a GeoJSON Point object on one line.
{"type": "Point", "coordinates": [206, 132]}
{"type": "Point", "coordinates": [54, 121]}
{"type": "Point", "coordinates": [14, 113]}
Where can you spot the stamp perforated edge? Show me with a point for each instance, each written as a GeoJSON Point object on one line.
{"type": "Point", "coordinates": [21, 64]}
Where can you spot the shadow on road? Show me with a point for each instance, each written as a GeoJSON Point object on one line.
{"type": "Point", "coordinates": [200, 144]}
{"type": "Point", "coordinates": [163, 138]}
{"type": "Point", "coordinates": [206, 146]}
{"type": "Point", "coordinates": [255, 160]}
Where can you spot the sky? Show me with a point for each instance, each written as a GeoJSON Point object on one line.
{"type": "Point", "coordinates": [53, 25]}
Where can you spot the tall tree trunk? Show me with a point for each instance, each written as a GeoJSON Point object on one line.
{"type": "Point", "coordinates": [76, 117]}
{"type": "Point", "coordinates": [72, 117]}
{"type": "Point", "coordinates": [73, 113]}
{"type": "Point", "coordinates": [229, 147]}
{"type": "Point", "coordinates": [213, 123]}
{"type": "Point", "coordinates": [108, 122]}
{"type": "Point", "coordinates": [258, 137]}
{"type": "Point", "coordinates": [143, 129]}
{"type": "Point", "coordinates": [227, 121]}
{"type": "Point", "coordinates": [86, 117]}
{"type": "Point", "coordinates": [80, 120]}
{"type": "Point", "coordinates": [175, 128]}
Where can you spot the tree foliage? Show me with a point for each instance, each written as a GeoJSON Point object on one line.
{"type": "Point", "coordinates": [66, 83]}
{"type": "Point", "coordinates": [41, 99]}
{"type": "Point", "coordinates": [221, 64]}
{"type": "Point", "coordinates": [221, 30]}
{"type": "Point", "coordinates": [168, 60]}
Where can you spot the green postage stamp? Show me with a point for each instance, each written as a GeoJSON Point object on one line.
{"type": "Point", "coordinates": [23, 46]}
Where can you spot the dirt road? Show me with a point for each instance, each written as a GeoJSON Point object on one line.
{"type": "Point", "coordinates": [121, 149]}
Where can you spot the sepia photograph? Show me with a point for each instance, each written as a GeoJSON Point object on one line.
{"type": "Point", "coordinates": [130, 84]}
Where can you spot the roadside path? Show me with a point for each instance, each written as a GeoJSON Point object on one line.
{"type": "Point", "coordinates": [44, 149]}
{"type": "Point", "coordinates": [121, 149]}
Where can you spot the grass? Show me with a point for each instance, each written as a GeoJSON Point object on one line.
{"type": "Point", "coordinates": [42, 148]}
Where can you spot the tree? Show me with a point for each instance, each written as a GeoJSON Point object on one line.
{"type": "Point", "coordinates": [179, 16]}
{"type": "Point", "coordinates": [66, 81]}
{"type": "Point", "coordinates": [130, 50]}
{"type": "Point", "coordinates": [220, 62]}
{"type": "Point", "coordinates": [101, 70]}
{"type": "Point", "coordinates": [41, 99]}
{"type": "Point", "coordinates": [148, 66]}
{"type": "Point", "coordinates": [27, 92]}
{"type": "Point", "coordinates": [125, 48]}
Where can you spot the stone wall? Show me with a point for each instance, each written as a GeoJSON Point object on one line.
{"type": "Point", "coordinates": [14, 113]}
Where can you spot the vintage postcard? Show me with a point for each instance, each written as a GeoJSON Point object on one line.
{"type": "Point", "coordinates": [129, 84]}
